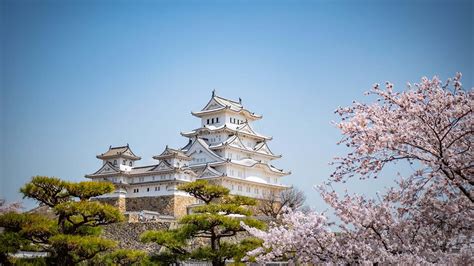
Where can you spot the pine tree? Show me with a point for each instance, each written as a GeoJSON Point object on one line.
{"type": "Point", "coordinates": [72, 236]}
{"type": "Point", "coordinates": [218, 218]}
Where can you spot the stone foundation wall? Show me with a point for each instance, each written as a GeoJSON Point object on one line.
{"type": "Point", "coordinates": [128, 234]}
{"type": "Point", "coordinates": [181, 204]}
{"type": "Point", "coordinates": [167, 205]}
{"type": "Point", "coordinates": [162, 205]}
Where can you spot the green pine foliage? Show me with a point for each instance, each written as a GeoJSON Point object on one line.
{"type": "Point", "coordinates": [219, 218]}
{"type": "Point", "coordinates": [123, 257]}
{"type": "Point", "coordinates": [72, 235]}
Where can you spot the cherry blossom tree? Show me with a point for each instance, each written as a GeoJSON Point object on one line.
{"type": "Point", "coordinates": [9, 207]}
{"type": "Point", "coordinates": [427, 216]}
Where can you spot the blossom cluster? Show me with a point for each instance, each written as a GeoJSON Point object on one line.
{"type": "Point", "coordinates": [425, 217]}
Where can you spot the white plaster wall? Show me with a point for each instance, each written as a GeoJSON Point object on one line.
{"type": "Point", "coordinates": [221, 118]}
{"type": "Point", "coordinates": [120, 161]}
{"type": "Point", "coordinates": [162, 189]}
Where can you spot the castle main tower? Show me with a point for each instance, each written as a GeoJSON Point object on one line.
{"type": "Point", "coordinates": [226, 149]}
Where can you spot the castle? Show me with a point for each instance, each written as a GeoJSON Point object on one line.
{"type": "Point", "coordinates": [225, 149]}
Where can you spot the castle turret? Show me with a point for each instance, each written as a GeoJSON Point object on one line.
{"type": "Point", "coordinates": [121, 157]}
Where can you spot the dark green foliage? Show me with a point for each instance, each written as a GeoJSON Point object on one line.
{"type": "Point", "coordinates": [88, 189]}
{"type": "Point", "coordinates": [72, 236]}
{"type": "Point", "coordinates": [204, 191]}
{"type": "Point", "coordinates": [48, 190]}
{"type": "Point", "coordinates": [77, 247]}
{"type": "Point", "coordinates": [123, 257]}
{"type": "Point", "coordinates": [217, 219]}
{"type": "Point", "coordinates": [78, 215]}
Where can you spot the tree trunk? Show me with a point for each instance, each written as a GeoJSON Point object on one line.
{"type": "Point", "coordinates": [215, 246]}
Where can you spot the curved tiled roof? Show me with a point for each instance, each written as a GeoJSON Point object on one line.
{"type": "Point", "coordinates": [226, 104]}
{"type": "Point", "coordinates": [236, 143]}
{"type": "Point", "coordinates": [119, 152]}
{"type": "Point", "coordinates": [244, 129]}
{"type": "Point", "coordinates": [248, 162]}
{"type": "Point", "coordinates": [172, 153]}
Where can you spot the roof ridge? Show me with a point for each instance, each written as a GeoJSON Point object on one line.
{"type": "Point", "coordinates": [230, 100]}
{"type": "Point", "coordinates": [144, 166]}
{"type": "Point", "coordinates": [118, 147]}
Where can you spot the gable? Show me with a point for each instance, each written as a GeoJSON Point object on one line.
{"type": "Point", "coordinates": [212, 104]}
{"type": "Point", "coordinates": [264, 149]}
{"type": "Point", "coordinates": [246, 129]}
{"type": "Point", "coordinates": [165, 152]}
{"type": "Point", "coordinates": [209, 172]}
{"type": "Point", "coordinates": [128, 152]}
{"type": "Point", "coordinates": [200, 153]}
{"type": "Point", "coordinates": [107, 168]}
{"type": "Point", "coordinates": [237, 142]}
{"type": "Point", "coordinates": [162, 166]}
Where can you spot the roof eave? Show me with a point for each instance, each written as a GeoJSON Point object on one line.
{"type": "Point", "coordinates": [102, 157]}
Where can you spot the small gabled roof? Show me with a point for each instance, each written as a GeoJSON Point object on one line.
{"type": "Point", "coordinates": [205, 147]}
{"type": "Point", "coordinates": [172, 153]}
{"type": "Point", "coordinates": [209, 171]}
{"type": "Point", "coordinates": [217, 104]}
{"type": "Point", "coordinates": [118, 152]}
{"type": "Point", "coordinates": [108, 168]}
{"type": "Point", "coordinates": [186, 147]}
{"type": "Point", "coordinates": [233, 140]}
{"type": "Point", "coordinates": [162, 166]}
{"type": "Point", "coordinates": [262, 147]}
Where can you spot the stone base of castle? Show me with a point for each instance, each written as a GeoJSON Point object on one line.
{"type": "Point", "coordinates": [173, 205]}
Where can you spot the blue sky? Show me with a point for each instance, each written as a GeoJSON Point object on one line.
{"type": "Point", "coordinates": [78, 76]}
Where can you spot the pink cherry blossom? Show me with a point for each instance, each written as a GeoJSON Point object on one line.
{"type": "Point", "coordinates": [425, 217]}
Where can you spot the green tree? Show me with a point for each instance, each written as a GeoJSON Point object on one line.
{"type": "Point", "coordinates": [218, 218]}
{"type": "Point", "coordinates": [73, 234]}
{"type": "Point", "coordinates": [122, 257]}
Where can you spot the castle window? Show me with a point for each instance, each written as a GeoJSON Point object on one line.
{"type": "Point", "coordinates": [115, 162]}
{"type": "Point", "coordinates": [124, 162]}
{"type": "Point", "coordinates": [212, 120]}
{"type": "Point", "coordinates": [217, 119]}
{"type": "Point", "coordinates": [248, 189]}
{"type": "Point", "coordinates": [256, 190]}
{"type": "Point", "coordinates": [147, 189]}
{"type": "Point", "coordinates": [239, 188]}
{"type": "Point", "coordinates": [208, 121]}
{"type": "Point", "coordinates": [130, 163]}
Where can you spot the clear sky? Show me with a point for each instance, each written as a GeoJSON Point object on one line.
{"type": "Point", "coordinates": [78, 76]}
